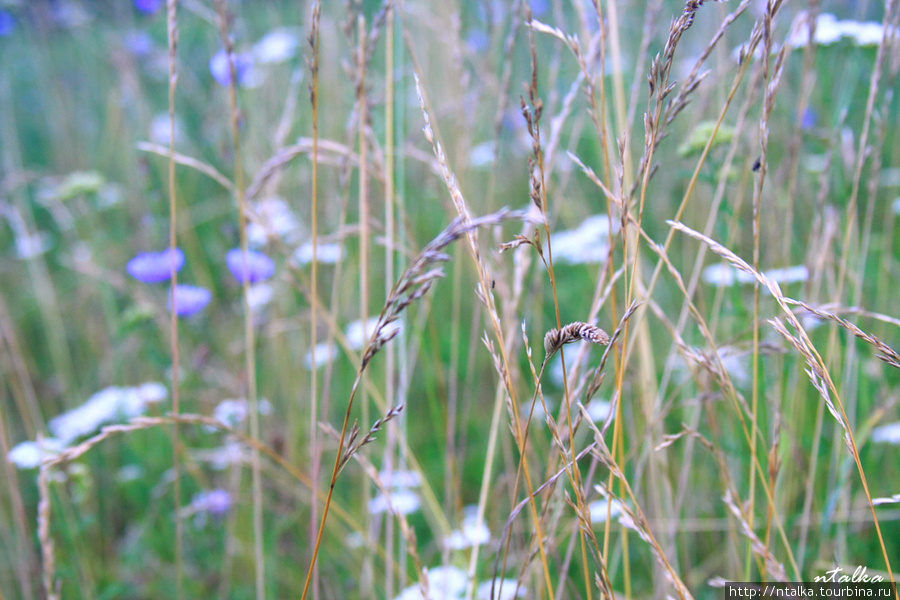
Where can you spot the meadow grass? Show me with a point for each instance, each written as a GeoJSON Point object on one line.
{"type": "Point", "coordinates": [381, 211]}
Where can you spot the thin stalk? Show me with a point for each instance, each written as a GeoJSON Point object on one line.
{"type": "Point", "coordinates": [314, 449]}
{"type": "Point", "coordinates": [768, 105]}
{"type": "Point", "coordinates": [249, 332]}
{"type": "Point", "coordinates": [367, 566]}
{"type": "Point", "coordinates": [172, 27]}
{"type": "Point", "coordinates": [390, 355]}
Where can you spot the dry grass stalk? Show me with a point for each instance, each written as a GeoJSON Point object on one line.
{"type": "Point", "coordinates": [418, 278]}
{"type": "Point", "coordinates": [249, 332]}
{"type": "Point", "coordinates": [353, 446]}
{"type": "Point", "coordinates": [406, 530]}
{"type": "Point", "coordinates": [48, 556]}
{"type": "Point", "coordinates": [774, 568]}
{"type": "Point", "coordinates": [485, 294]}
{"type": "Point", "coordinates": [415, 281]}
{"type": "Point", "coordinates": [188, 161]}
{"type": "Point", "coordinates": [335, 153]}
{"type": "Point", "coordinates": [314, 447]}
{"type": "Point", "coordinates": [172, 31]}
{"type": "Point", "coordinates": [885, 352]}
{"type": "Point", "coordinates": [544, 487]}
{"type": "Point", "coordinates": [633, 518]}
{"type": "Point", "coordinates": [817, 371]}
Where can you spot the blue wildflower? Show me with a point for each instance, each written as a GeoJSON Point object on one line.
{"type": "Point", "coordinates": [216, 502]}
{"type": "Point", "coordinates": [189, 299]}
{"type": "Point", "coordinates": [148, 7]}
{"type": "Point", "coordinates": [254, 266]}
{"type": "Point", "coordinates": [243, 64]}
{"type": "Point", "coordinates": [7, 23]}
{"type": "Point", "coordinates": [810, 118]}
{"type": "Point", "coordinates": [212, 503]}
{"type": "Point", "coordinates": [540, 8]}
{"type": "Point", "coordinates": [478, 40]}
{"type": "Point", "coordinates": [153, 267]}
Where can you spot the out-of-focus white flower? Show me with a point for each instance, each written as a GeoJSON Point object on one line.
{"type": "Point", "coordinates": [598, 410]}
{"type": "Point", "coordinates": [400, 479]}
{"type": "Point", "coordinates": [473, 532]}
{"type": "Point", "coordinates": [735, 362]}
{"type": "Point", "coordinates": [887, 434]}
{"type": "Point", "coordinates": [30, 455]}
{"type": "Point", "coordinates": [450, 583]}
{"type": "Point", "coordinates": [507, 591]}
{"type": "Point", "coordinates": [829, 30]}
{"type": "Point", "coordinates": [33, 244]}
{"type": "Point", "coordinates": [401, 501]}
{"type": "Point", "coordinates": [794, 274]}
{"type": "Point", "coordinates": [234, 412]}
{"type": "Point", "coordinates": [259, 295]}
{"type": "Point", "coordinates": [161, 130]}
{"type": "Point", "coordinates": [325, 254]}
{"type": "Point", "coordinates": [587, 244]}
{"type": "Point", "coordinates": [106, 406]}
{"type": "Point", "coordinates": [273, 219]}
{"type": "Point", "coordinates": [483, 155]}
{"type": "Point", "coordinates": [733, 359]}
{"type": "Point", "coordinates": [277, 46]}
{"type": "Point", "coordinates": [444, 583]}
{"type": "Point", "coordinates": [602, 508]}
{"type": "Point", "coordinates": [359, 334]}
{"type": "Point", "coordinates": [324, 354]}
{"type": "Point", "coordinates": [232, 453]}
{"type": "Point", "coordinates": [889, 500]}
{"type": "Point", "coordinates": [131, 472]}
{"type": "Point", "coordinates": [896, 206]}
{"type": "Point", "coordinates": [724, 275]}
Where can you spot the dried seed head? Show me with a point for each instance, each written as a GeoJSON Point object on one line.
{"type": "Point", "coordinates": [578, 330]}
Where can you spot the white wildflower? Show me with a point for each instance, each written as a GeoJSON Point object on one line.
{"type": "Point", "coordinates": [887, 434]}
{"type": "Point", "coordinates": [30, 455]}
{"type": "Point", "coordinates": [325, 254]}
{"type": "Point", "coordinates": [587, 244]}
{"type": "Point", "coordinates": [277, 46]}
{"type": "Point", "coordinates": [402, 502]}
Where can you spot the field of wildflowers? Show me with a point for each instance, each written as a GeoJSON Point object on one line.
{"type": "Point", "coordinates": [487, 299]}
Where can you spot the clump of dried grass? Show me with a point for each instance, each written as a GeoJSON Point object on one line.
{"type": "Point", "coordinates": [414, 283]}
{"type": "Point", "coordinates": [817, 370]}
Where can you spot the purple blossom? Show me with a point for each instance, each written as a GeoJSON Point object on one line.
{"type": "Point", "coordinates": [810, 118]}
{"type": "Point", "coordinates": [153, 267]}
{"type": "Point", "coordinates": [540, 8]}
{"type": "Point", "coordinates": [243, 64]}
{"type": "Point", "coordinates": [189, 299]}
{"type": "Point", "coordinates": [216, 502]}
{"type": "Point", "coordinates": [7, 23]}
{"type": "Point", "coordinates": [254, 267]}
{"type": "Point", "coordinates": [478, 40]}
{"type": "Point", "coordinates": [148, 6]}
